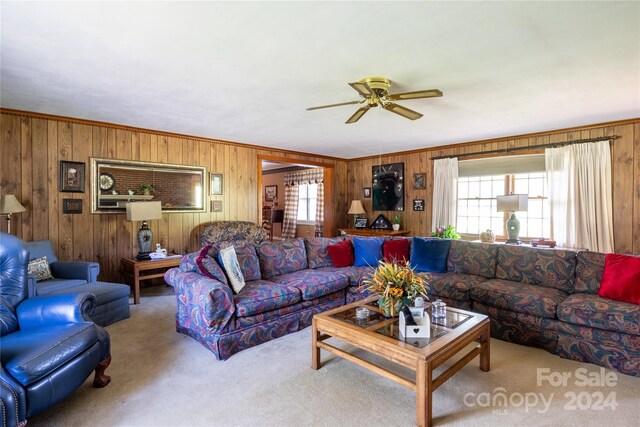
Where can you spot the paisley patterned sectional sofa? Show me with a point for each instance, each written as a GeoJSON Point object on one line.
{"type": "Point", "coordinates": [539, 297]}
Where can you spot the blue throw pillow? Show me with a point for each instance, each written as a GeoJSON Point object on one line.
{"type": "Point", "coordinates": [367, 251]}
{"type": "Point", "coordinates": [430, 254]}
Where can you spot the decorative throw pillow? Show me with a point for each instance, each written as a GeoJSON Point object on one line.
{"type": "Point", "coordinates": [208, 266]}
{"type": "Point", "coordinates": [430, 254]}
{"type": "Point", "coordinates": [39, 268]}
{"type": "Point", "coordinates": [229, 261]}
{"type": "Point", "coordinates": [621, 278]}
{"type": "Point", "coordinates": [396, 250]}
{"type": "Point", "coordinates": [341, 254]}
{"type": "Point", "coordinates": [367, 251]}
{"type": "Point", "coordinates": [246, 254]}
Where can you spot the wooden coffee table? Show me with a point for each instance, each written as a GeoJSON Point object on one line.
{"type": "Point", "coordinates": [380, 336]}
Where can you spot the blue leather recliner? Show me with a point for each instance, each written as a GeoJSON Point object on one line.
{"type": "Point", "coordinates": [48, 344]}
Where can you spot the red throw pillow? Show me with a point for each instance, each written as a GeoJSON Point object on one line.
{"type": "Point", "coordinates": [396, 250]}
{"type": "Point", "coordinates": [621, 278]}
{"type": "Point", "coordinates": [341, 254]}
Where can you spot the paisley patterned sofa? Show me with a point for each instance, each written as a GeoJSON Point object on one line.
{"type": "Point", "coordinates": [539, 297]}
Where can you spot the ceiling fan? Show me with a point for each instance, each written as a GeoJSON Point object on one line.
{"type": "Point", "coordinates": [375, 91]}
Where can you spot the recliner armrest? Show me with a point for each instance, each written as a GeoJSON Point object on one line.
{"type": "Point", "coordinates": [56, 309]}
{"type": "Point", "coordinates": [75, 270]}
{"type": "Point", "coordinates": [14, 400]}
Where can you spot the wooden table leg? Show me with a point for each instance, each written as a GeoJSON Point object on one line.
{"type": "Point", "coordinates": [423, 394]}
{"type": "Point", "coordinates": [485, 349]}
{"type": "Point", "coordinates": [315, 350]}
{"type": "Point", "coordinates": [136, 285]}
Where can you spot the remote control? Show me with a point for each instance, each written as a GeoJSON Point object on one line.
{"type": "Point", "coordinates": [408, 317]}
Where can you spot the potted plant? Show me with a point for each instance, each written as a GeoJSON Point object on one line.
{"type": "Point", "coordinates": [396, 283]}
{"type": "Point", "coordinates": [395, 223]}
{"type": "Point", "coordinates": [448, 232]}
{"type": "Point", "coordinates": [147, 189]}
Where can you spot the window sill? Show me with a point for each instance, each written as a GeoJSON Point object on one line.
{"type": "Point", "coordinates": [299, 222]}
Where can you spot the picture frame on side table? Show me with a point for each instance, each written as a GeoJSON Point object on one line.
{"type": "Point", "coordinates": [367, 192]}
{"type": "Point", "coordinates": [216, 184]}
{"type": "Point", "coordinates": [270, 192]}
{"type": "Point", "coordinates": [418, 204]}
{"type": "Point", "coordinates": [71, 206]}
{"type": "Point", "coordinates": [72, 177]}
{"type": "Point", "coordinates": [360, 223]}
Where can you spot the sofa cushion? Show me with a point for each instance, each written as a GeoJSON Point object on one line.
{"type": "Point", "coordinates": [602, 313]}
{"type": "Point", "coordinates": [209, 266]}
{"type": "Point", "coordinates": [314, 283]}
{"type": "Point", "coordinates": [589, 269]}
{"type": "Point", "coordinates": [355, 274]}
{"type": "Point", "coordinates": [39, 268]}
{"type": "Point", "coordinates": [55, 285]}
{"type": "Point", "coordinates": [317, 253]}
{"type": "Point", "coordinates": [396, 250]}
{"type": "Point", "coordinates": [341, 254]}
{"type": "Point", "coordinates": [259, 296]}
{"type": "Point", "coordinates": [281, 257]}
{"type": "Point", "coordinates": [517, 296]}
{"type": "Point", "coordinates": [229, 261]}
{"type": "Point", "coordinates": [473, 258]}
{"type": "Point", "coordinates": [621, 278]}
{"type": "Point", "coordinates": [451, 285]}
{"type": "Point", "coordinates": [35, 353]}
{"type": "Point", "coordinates": [550, 268]}
{"type": "Point", "coordinates": [430, 255]}
{"type": "Point", "coordinates": [367, 251]}
{"type": "Point", "coordinates": [247, 258]}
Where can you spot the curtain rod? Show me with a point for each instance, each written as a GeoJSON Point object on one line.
{"type": "Point", "coordinates": [508, 150]}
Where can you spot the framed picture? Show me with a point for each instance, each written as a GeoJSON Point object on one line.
{"type": "Point", "coordinates": [72, 206]}
{"type": "Point", "coordinates": [387, 184]}
{"type": "Point", "coordinates": [72, 177]}
{"type": "Point", "coordinates": [419, 181]}
{"type": "Point", "coordinates": [270, 192]}
{"type": "Point", "coordinates": [381, 223]}
{"type": "Point", "coordinates": [216, 184]}
{"type": "Point", "coordinates": [216, 206]}
{"type": "Point", "coordinates": [360, 223]}
{"type": "Point", "coordinates": [418, 204]}
{"type": "Point", "coordinates": [367, 192]}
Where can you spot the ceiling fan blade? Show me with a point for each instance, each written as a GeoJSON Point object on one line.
{"type": "Point", "coordinates": [335, 105]}
{"type": "Point", "coordinates": [363, 89]}
{"type": "Point", "coordinates": [356, 116]}
{"type": "Point", "coordinates": [430, 93]}
{"type": "Point", "coordinates": [402, 111]}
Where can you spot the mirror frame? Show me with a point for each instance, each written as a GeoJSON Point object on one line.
{"type": "Point", "coordinates": [96, 162]}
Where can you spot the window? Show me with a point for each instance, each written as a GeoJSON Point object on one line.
{"type": "Point", "coordinates": [307, 202]}
{"type": "Point", "coordinates": [477, 204]}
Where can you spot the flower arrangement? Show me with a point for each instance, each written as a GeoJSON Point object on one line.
{"type": "Point", "coordinates": [448, 232]}
{"type": "Point", "coordinates": [394, 283]}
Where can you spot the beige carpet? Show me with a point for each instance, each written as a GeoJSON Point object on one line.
{"type": "Point", "coordinates": [162, 378]}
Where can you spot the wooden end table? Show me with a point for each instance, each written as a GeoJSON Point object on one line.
{"type": "Point", "coordinates": [380, 336]}
{"type": "Point", "coordinates": [132, 267]}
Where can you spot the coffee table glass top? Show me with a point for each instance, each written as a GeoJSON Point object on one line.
{"type": "Point", "coordinates": [390, 327]}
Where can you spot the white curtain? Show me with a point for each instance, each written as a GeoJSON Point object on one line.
{"type": "Point", "coordinates": [445, 192]}
{"type": "Point", "coordinates": [579, 180]}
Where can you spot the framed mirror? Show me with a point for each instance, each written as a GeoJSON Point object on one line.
{"type": "Point", "coordinates": [114, 183]}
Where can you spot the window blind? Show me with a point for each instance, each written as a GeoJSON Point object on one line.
{"type": "Point", "coordinates": [502, 165]}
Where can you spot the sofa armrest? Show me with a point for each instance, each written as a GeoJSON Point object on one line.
{"type": "Point", "coordinates": [76, 270]}
{"type": "Point", "coordinates": [31, 286]}
{"type": "Point", "coordinates": [56, 309]}
{"type": "Point", "coordinates": [14, 400]}
{"type": "Point", "coordinates": [208, 301]}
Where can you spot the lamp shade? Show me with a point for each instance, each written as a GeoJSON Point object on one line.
{"type": "Point", "coordinates": [356, 208]}
{"type": "Point", "coordinates": [10, 205]}
{"type": "Point", "coordinates": [513, 203]}
{"type": "Point", "coordinates": [144, 211]}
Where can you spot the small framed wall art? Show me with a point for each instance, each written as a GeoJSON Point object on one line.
{"type": "Point", "coordinates": [72, 177]}
{"type": "Point", "coordinates": [216, 184]}
{"type": "Point", "coordinates": [72, 206]}
{"type": "Point", "coordinates": [418, 204]}
{"type": "Point", "coordinates": [367, 192]}
{"type": "Point", "coordinates": [270, 192]}
{"type": "Point", "coordinates": [216, 206]}
{"type": "Point", "coordinates": [419, 181]}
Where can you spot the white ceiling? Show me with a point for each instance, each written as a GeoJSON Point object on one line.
{"type": "Point", "coordinates": [245, 72]}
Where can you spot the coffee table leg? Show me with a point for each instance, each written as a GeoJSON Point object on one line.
{"type": "Point", "coordinates": [423, 394]}
{"type": "Point", "coordinates": [485, 350]}
{"type": "Point", "coordinates": [315, 350]}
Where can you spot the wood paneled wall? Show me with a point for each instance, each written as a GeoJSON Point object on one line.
{"type": "Point", "coordinates": [626, 176]}
{"type": "Point", "coordinates": [33, 146]}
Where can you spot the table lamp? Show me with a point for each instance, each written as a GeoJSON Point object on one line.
{"type": "Point", "coordinates": [356, 209]}
{"type": "Point", "coordinates": [144, 211]}
{"type": "Point", "coordinates": [513, 203]}
{"type": "Point", "coordinates": [10, 205]}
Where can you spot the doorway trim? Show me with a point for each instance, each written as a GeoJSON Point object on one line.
{"type": "Point", "coordinates": [329, 209]}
